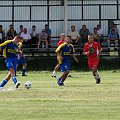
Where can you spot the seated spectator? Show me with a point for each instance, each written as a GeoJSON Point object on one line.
{"type": "Point", "coordinates": [20, 30]}
{"type": "Point", "coordinates": [2, 34]}
{"type": "Point", "coordinates": [112, 38]}
{"type": "Point", "coordinates": [84, 32]}
{"type": "Point", "coordinates": [97, 37]}
{"type": "Point", "coordinates": [43, 39]}
{"type": "Point", "coordinates": [34, 35]}
{"type": "Point", "coordinates": [26, 38]}
{"type": "Point", "coordinates": [48, 32]}
{"type": "Point", "coordinates": [116, 30]}
{"type": "Point", "coordinates": [11, 33]}
{"type": "Point", "coordinates": [100, 32]}
{"type": "Point", "coordinates": [74, 36]}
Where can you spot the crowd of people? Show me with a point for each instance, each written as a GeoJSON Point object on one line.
{"type": "Point", "coordinates": [43, 39]}
{"type": "Point", "coordinates": [29, 37]}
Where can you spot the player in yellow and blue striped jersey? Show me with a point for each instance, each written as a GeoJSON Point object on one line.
{"type": "Point", "coordinates": [10, 49]}
{"type": "Point", "coordinates": [64, 51]}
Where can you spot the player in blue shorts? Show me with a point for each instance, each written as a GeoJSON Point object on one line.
{"type": "Point", "coordinates": [10, 49]}
{"type": "Point", "coordinates": [64, 51]}
{"type": "Point", "coordinates": [21, 59]}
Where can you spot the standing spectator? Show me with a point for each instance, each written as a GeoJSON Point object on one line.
{"type": "Point", "coordinates": [43, 39]}
{"type": "Point", "coordinates": [48, 32]}
{"type": "Point", "coordinates": [34, 35]}
{"type": "Point", "coordinates": [20, 30]}
{"type": "Point", "coordinates": [2, 34]}
{"type": "Point", "coordinates": [112, 38]}
{"type": "Point", "coordinates": [92, 50]}
{"type": "Point", "coordinates": [100, 33]}
{"type": "Point", "coordinates": [26, 38]}
{"type": "Point", "coordinates": [74, 36]}
{"type": "Point", "coordinates": [11, 33]}
{"type": "Point", "coordinates": [84, 32]}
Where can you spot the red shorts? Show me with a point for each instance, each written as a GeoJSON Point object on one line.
{"type": "Point", "coordinates": [93, 62]}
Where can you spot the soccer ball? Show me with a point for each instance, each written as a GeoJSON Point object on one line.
{"type": "Point", "coordinates": [27, 84]}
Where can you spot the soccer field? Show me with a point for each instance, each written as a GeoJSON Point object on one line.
{"type": "Point", "coordinates": [79, 99]}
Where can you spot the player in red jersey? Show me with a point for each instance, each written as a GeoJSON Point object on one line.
{"type": "Point", "coordinates": [62, 38]}
{"type": "Point", "coordinates": [92, 50]}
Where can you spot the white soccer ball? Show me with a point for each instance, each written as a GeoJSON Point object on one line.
{"type": "Point", "coordinates": [27, 84]}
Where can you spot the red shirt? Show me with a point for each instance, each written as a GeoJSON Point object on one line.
{"type": "Point", "coordinates": [60, 42]}
{"type": "Point", "coordinates": [95, 48]}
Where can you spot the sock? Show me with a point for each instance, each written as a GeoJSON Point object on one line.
{"type": "Point", "coordinates": [23, 71]}
{"type": "Point", "coordinates": [15, 72]}
{"type": "Point", "coordinates": [14, 80]}
{"type": "Point", "coordinates": [54, 72]}
{"type": "Point", "coordinates": [3, 83]}
{"type": "Point", "coordinates": [97, 75]}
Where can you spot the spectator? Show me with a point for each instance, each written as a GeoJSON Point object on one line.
{"type": "Point", "coordinates": [20, 30]}
{"type": "Point", "coordinates": [26, 38]}
{"type": "Point", "coordinates": [34, 35]}
{"type": "Point", "coordinates": [48, 32]}
{"type": "Point", "coordinates": [116, 30]}
{"type": "Point", "coordinates": [84, 32]}
{"type": "Point", "coordinates": [43, 39]}
{"type": "Point", "coordinates": [2, 34]}
{"type": "Point", "coordinates": [112, 38]}
{"type": "Point", "coordinates": [100, 32]}
{"type": "Point", "coordinates": [96, 36]}
{"type": "Point", "coordinates": [74, 36]}
{"type": "Point", "coordinates": [11, 33]}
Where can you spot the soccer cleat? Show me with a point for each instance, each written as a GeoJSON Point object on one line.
{"type": "Point", "coordinates": [59, 82]}
{"type": "Point", "coordinates": [1, 88]}
{"type": "Point", "coordinates": [98, 81]}
{"type": "Point", "coordinates": [53, 75]}
{"type": "Point", "coordinates": [24, 75]}
{"type": "Point", "coordinates": [17, 85]}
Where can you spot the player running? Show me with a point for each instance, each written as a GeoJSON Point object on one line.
{"type": "Point", "coordinates": [21, 59]}
{"type": "Point", "coordinates": [64, 51]}
{"type": "Point", "coordinates": [62, 38]}
{"type": "Point", "coordinates": [10, 49]}
{"type": "Point", "coordinates": [92, 50]}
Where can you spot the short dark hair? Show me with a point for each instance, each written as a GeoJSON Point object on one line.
{"type": "Point", "coordinates": [46, 24]}
{"type": "Point", "coordinates": [21, 25]}
{"type": "Point", "coordinates": [69, 36]}
{"type": "Point", "coordinates": [1, 26]}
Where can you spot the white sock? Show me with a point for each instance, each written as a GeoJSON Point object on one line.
{"type": "Point", "coordinates": [54, 72]}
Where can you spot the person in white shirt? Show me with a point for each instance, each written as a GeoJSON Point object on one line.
{"type": "Point", "coordinates": [100, 32]}
{"type": "Point", "coordinates": [26, 38]}
{"type": "Point", "coordinates": [34, 35]}
{"type": "Point", "coordinates": [74, 36]}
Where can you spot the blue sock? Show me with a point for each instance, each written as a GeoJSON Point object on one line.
{"type": "Point", "coordinates": [14, 80]}
{"type": "Point", "coordinates": [23, 71]}
{"type": "Point", "coordinates": [3, 83]}
{"type": "Point", "coordinates": [59, 79]}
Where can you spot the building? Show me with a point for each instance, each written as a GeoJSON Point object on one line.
{"type": "Point", "coordinates": [60, 14]}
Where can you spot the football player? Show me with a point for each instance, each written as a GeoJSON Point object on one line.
{"type": "Point", "coordinates": [92, 50]}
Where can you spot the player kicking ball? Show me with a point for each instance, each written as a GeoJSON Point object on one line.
{"type": "Point", "coordinates": [64, 51]}
{"type": "Point", "coordinates": [10, 49]}
{"type": "Point", "coordinates": [92, 50]}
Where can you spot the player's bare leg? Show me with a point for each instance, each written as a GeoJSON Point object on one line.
{"type": "Point", "coordinates": [55, 70]}
{"type": "Point", "coordinates": [96, 75]}
{"type": "Point", "coordinates": [62, 78]}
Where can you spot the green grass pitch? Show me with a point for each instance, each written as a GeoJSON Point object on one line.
{"type": "Point", "coordinates": [79, 99]}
